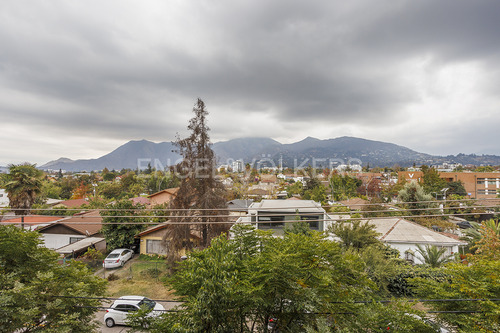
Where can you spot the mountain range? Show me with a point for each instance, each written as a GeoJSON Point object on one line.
{"type": "Point", "coordinates": [269, 152]}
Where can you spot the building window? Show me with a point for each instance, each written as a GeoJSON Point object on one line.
{"type": "Point", "coordinates": [155, 246]}
{"type": "Point", "coordinates": [487, 191]}
{"type": "Point", "coordinates": [314, 221]}
{"type": "Point", "coordinates": [74, 239]}
{"type": "Point", "coordinates": [409, 256]}
{"type": "Point", "coordinates": [272, 222]}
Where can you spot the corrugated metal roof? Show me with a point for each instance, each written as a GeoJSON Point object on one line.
{"type": "Point", "coordinates": [79, 245]}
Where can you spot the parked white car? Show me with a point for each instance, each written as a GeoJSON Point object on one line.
{"type": "Point", "coordinates": [118, 312]}
{"type": "Point", "coordinates": [117, 258]}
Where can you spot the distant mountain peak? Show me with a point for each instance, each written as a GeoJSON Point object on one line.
{"type": "Point", "coordinates": [309, 139]}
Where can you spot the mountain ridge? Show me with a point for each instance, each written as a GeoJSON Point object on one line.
{"type": "Point", "coordinates": [136, 154]}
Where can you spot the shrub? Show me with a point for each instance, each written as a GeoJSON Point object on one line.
{"type": "Point", "coordinates": [112, 277]}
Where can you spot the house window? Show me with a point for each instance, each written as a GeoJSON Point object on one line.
{"type": "Point", "coordinates": [154, 246]}
{"type": "Point", "coordinates": [74, 239]}
{"type": "Point", "coordinates": [409, 256]}
{"type": "Point", "coordinates": [272, 222]}
{"type": "Point", "coordinates": [314, 224]}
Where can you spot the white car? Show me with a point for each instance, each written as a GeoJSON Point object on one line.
{"type": "Point", "coordinates": [117, 258]}
{"type": "Point", "coordinates": [118, 312]}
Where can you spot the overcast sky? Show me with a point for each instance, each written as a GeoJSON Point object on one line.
{"type": "Point", "coordinates": [80, 78]}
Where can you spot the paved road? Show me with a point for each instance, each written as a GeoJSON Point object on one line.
{"type": "Point", "coordinates": [123, 329]}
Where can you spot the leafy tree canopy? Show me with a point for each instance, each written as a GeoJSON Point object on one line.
{"type": "Point", "coordinates": [414, 197]}
{"type": "Point", "coordinates": [239, 284]}
{"type": "Point", "coordinates": [121, 222]}
{"type": "Point", "coordinates": [36, 293]}
{"type": "Point", "coordinates": [344, 186]}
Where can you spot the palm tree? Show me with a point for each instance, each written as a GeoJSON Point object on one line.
{"type": "Point", "coordinates": [24, 183]}
{"type": "Point", "coordinates": [434, 256]}
{"type": "Point", "coordinates": [355, 234]}
{"type": "Point", "coordinates": [475, 234]}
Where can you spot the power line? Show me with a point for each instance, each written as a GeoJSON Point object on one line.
{"type": "Point", "coordinates": [270, 208]}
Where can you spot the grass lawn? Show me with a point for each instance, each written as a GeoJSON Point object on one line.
{"type": "Point", "coordinates": [143, 278]}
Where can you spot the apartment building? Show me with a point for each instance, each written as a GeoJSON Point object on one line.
{"type": "Point", "coordinates": [479, 185]}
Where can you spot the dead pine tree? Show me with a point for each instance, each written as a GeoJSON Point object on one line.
{"type": "Point", "coordinates": [200, 204]}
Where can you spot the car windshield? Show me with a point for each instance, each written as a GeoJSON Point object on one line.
{"type": "Point", "coordinates": [150, 304]}
{"type": "Point", "coordinates": [113, 255]}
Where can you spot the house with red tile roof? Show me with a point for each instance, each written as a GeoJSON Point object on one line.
{"type": "Point", "coordinates": [163, 197]}
{"type": "Point", "coordinates": [140, 201]}
{"type": "Point", "coordinates": [74, 203]}
{"type": "Point", "coordinates": [31, 221]}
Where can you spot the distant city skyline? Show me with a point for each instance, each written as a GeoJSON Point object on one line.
{"type": "Point", "coordinates": [79, 79]}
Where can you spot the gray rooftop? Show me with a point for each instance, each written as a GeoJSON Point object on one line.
{"type": "Point", "coordinates": [398, 230]}
{"type": "Point", "coordinates": [79, 245]}
{"type": "Point", "coordinates": [309, 206]}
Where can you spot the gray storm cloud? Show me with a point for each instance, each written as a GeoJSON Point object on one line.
{"type": "Point", "coordinates": [121, 70]}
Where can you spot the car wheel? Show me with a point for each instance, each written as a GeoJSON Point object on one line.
{"type": "Point", "coordinates": [110, 322]}
{"type": "Point", "coordinates": [122, 263]}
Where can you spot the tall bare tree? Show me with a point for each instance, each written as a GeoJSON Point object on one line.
{"type": "Point", "coordinates": [201, 200]}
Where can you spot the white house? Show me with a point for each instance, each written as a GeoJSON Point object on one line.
{"type": "Point", "coordinates": [4, 200]}
{"type": "Point", "coordinates": [405, 235]}
{"type": "Point", "coordinates": [71, 229]}
{"type": "Point", "coordinates": [274, 214]}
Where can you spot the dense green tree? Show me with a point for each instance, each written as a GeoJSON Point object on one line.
{"type": "Point", "coordinates": [479, 280]}
{"type": "Point", "coordinates": [24, 184]}
{"type": "Point", "coordinates": [344, 186]}
{"type": "Point", "coordinates": [414, 198]}
{"type": "Point", "coordinates": [239, 284]}
{"type": "Point", "coordinates": [68, 185]}
{"type": "Point", "coordinates": [317, 193]}
{"type": "Point", "coordinates": [485, 168]}
{"type": "Point", "coordinates": [108, 175]}
{"type": "Point", "coordinates": [121, 222]}
{"type": "Point", "coordinates": [431, 180]}
{"type": "Point", "coordinates": [295, 189]}
{"type": "Point", "coordinates": [50, 190]}
{"type": "Point", "coordinates": [129, 182]}
{"type": "Point", "coordinates": [390, 192]}
{"type": "Point", "coordinates": [112, 190]}
{"type": "Point", "coordinates": [159, 180]}
{"type": "Point", "coordinates": [39, 295]}
{"type": "Point", "coordinates": [456, 188]}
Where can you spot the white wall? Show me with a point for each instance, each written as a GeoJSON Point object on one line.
{"type": "Point", "coordinates": [4, 200]}
{"type": "Point", "coordinates": [55, 241]}
{"type": "Point", "coordinates": [403, 247]}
